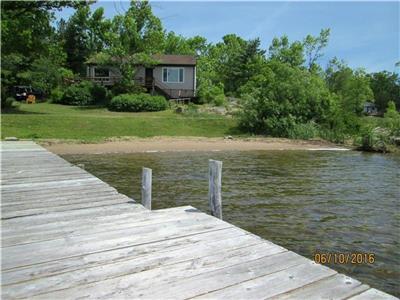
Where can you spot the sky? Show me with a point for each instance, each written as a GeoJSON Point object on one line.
{"type": "Point", "coordinates": [363, 34]}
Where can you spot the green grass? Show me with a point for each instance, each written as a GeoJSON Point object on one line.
{"type": "Point", "coordinates": [54, 121]}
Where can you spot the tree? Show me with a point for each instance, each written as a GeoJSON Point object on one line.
{"type": "Point", "coordinates": [284, 51]}
{"type": "Point", "coordinates": [28, 36]}
{"type": "Point", "coordinates": [386, 87]}
{"type": "Point", "coordinates": [139, 30]}
{"type": "Point", "coordinates": [352, 86]}
{"type": "Point", "coordinates": [283, 96]}
{"type": "Point", "coordinates": [313, 47]}
{"type": "Point", "coordinates": [235, 61]}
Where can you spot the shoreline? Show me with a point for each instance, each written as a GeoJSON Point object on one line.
{"type": "Point", "coordinates": [180, 144]}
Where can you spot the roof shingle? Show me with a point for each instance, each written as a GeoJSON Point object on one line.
{"type": "Point", "coordinates": [164, 59]}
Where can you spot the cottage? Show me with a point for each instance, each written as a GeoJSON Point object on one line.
{"type": "Point", "coordinates": [174, 76]}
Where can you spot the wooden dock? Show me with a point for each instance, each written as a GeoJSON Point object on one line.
{"type": "Point", "coordinates": [68, 235]}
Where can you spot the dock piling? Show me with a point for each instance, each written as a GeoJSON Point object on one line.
{"type": "Point", "coordinates": [146, 188]}
{"type": "Point", "coordinates": [214, 184]}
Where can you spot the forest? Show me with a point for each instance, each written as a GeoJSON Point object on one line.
{"type": "Point", "coordinates": [281, 91]}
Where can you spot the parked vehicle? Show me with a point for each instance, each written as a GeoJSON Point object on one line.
{"type": "Point", "coordinates": [21, 92]}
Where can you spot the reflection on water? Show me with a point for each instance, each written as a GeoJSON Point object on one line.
{"type": "Point", "coordinates": [304, 201]}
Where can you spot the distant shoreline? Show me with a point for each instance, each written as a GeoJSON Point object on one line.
{"type": "Point", "coordinates": [175, 144]}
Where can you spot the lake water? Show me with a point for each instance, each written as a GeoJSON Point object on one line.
{"type": "Point", "coordinates": [306, 201]}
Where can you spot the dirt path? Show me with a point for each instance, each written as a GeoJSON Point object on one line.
{"type": "Point", "coordinates": [162, 144]}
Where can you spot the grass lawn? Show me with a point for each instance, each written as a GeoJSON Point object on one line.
{"type": "Point", "coordinates": [54, 121]}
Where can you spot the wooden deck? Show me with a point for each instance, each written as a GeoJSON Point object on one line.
{"type": "Point", "coordinates": [68, 235]}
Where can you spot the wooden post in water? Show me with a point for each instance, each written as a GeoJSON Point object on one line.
{"type": "Point", "coordinates": [214, 187]}
{"type": "Point", "coordinates": [146, 188]}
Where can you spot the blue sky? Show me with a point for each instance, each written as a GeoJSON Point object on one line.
{"type": "Point", "coordinates": [364, 34]}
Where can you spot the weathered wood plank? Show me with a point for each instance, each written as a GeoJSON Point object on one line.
{"type": "Point", "coordinates": [70, 246]}
{"type": "Point", "coordinates": [91, 227]}
{"type": "Point", "coordinates": [86, 213]}
{"type": "Point", "coordinates": [269, 285]}
{"type": "Point", "coordinates": [185, 280]}
{"type": "Point", "coordinates": [137, 213]}
{"type": "Point", "coordinates": [36, 211]}
{"type": "Point", "coordinates": [335, 287]}
{"type": "Point", "coordinates": [373, 294]}
{"type": "Point", "coordinates": [86, 261]}
{"type": "Point", "coordinates": [177, 258]}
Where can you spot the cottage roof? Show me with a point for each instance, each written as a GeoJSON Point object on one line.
{"type": "Point", "coordinates": [165, 59]}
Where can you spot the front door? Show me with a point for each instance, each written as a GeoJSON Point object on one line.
{"type": "Point", "coordinates": [149, 76]}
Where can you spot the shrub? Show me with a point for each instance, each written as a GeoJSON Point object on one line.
{"type": "Point", "coordinates": [83, 93]}
{"type": "Point", "coordinates": [392, 119]}
{"type": "Point", "coordinates": [99, 94]}
{"type": "Point", "coordinates": [374, 139]}
{"type": "Point", "coordinates": [78, 94]}
{"type": "Point", "coordinates": [281, 97]}
{"type": "Point", "coordinates": [56, 95]}
{"type": "Point", "coordinates": [7, 103]}
{"type": "Point", "coordinates": [138, 102]}
{"type": "Point", "coordinates": [219, 100]}
{"type": "Point", "coordinates": [209, 93]}
{"type": "Point", "coordinates": [303, 131]}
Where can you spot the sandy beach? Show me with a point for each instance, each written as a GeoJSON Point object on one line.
{"type": "Point", "coordinates": [163, 144]}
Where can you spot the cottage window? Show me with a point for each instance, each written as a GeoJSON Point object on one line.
{"type": "Point", "coordinates": [101, 72]}
{"type": "Point", "coordinates": [173, 75]}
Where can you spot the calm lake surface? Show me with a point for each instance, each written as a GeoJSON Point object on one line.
{"type": "Point", "coordinates": [306, 201]}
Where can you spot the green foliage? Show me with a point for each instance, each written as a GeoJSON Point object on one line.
{"type": "Point", "coordinates": [313, 47]}
{"type": "Point", "coordinates": [99, 94]}
{"type": "Point", "coordinates": [373, 139]}
{"type": "Point", "coordinates": [219, 100]}
{"type": "Point", "coordinates": [42, 74]}
{"type": "Point", "coordinates": [392, 120]}
{"type": "Point", "coordinates": [283, 96]}
{"type": "Point", "coordinates": [386, 87]}
{"type": "Point", "coordinates": [78, 94]}
{"type": "Point", "coordinates": [82, 93]}
{"type": "Point", "coordinates": [285, 52]}
{"type": "Point", "coordinates": [138, 103]}
{"type": "Point", "coordinates": [82, 36]}
{"type": "Point", "coordinates": [56, 95]}
{"type": "Point", "coordinates": [209, 93]}
{"type": "Point", "coordinates": [304, 131]}
{"type": "Point", "coordinates": [138, 30]}
{"type": "Point", "coordinates": [7, 103]}
{"type": "Point", "coordinates": [352, 86]}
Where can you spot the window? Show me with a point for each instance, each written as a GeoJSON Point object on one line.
{"type": "Point", "coordinates": [101, 72]}
{"type": "Point", "coordinates": [173, 75]}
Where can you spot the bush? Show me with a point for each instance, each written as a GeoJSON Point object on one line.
{"type": "Point", "coordinates": [304, 131]}
{"type": "Point", "coordinates": [373, 139]}
{"type": "Point", "coordinates": [56, 95]}
{"type": "Point", "coordinates": [83, 93]}
{"type": "Point", "coordinates": [392, 120]}
{"type": "Point", "coordinates": [99, 94]}
{"type": "Point", "coordinates": [209, 93]}
{"type": "Point", "coordinates": [219, 100]}
{"type": "Point", "coordinates": [281, 97]}
{"type": "Point", "coordinates": [78, 94]}
{"type": "Point", "coordinates": [7, 103]}
{"type": "Point", "coordinates": [137, 103]}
